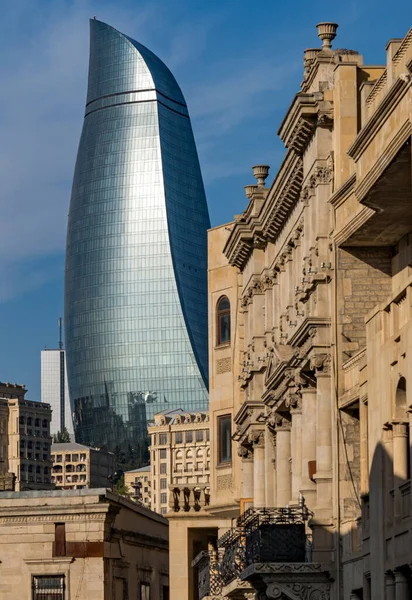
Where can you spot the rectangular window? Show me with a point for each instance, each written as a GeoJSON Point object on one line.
{"type": "Point", "coordinates": [163, 498]}
{"type": "Point", "coordinates": [224, 428]}
{"type": "Point", "coordinates": [199, 435]}
{"type": "Point", "coordinates": [162, 453]}
{"type": "Point", "coordinates": [163, 510]}
{"type": "Point", "coordinates": [178, 437]}
{"type": "Point", "coordinates": [163, 468]}
{"type": "Point", "coordinates": [189, 437]}
{"type": "Point", "coordinates": [207, 435]}
{"type": "Point", "coordinates": [48, 587]}
{"type": "Point", "coordinates": [144, 591]}
{"type": "Point", "coordinates": [163, 484]}
{"type": "Point", "coordinates": [162, 439]}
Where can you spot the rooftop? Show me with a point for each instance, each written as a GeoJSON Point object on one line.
{"type": "Point", "coordinates": [66, 447]}
{"type": "Point", "coordinates": [145, 469]}
{"type": "Point", "coordinates": [48, 498]}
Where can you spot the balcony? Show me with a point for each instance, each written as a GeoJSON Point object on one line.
{"type": "Point", "coordinates": [268, 546]}
{"type": "Point", "coordinates": [188, 497]}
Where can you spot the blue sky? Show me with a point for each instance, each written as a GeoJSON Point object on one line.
{"type": "Point", "coordinates": [239, 63]}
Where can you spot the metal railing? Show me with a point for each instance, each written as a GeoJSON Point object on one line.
{"type": "Point", "coordinates": [260, 535]}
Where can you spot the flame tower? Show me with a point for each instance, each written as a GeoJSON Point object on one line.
{"type": "Point", "coordinates": [136, 256]}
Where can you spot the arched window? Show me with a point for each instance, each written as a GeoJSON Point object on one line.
{"type": "Point", "coordinates": [223, 321]}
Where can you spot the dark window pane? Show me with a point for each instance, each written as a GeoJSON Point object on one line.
{"type": "Point", "coordinates": [223, 321]}
{"type": "Point", "coordinates": [225, 439]}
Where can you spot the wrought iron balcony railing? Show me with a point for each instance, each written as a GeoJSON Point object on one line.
{"type": "Point", "coordinates": [208, 577]}
{"type": "Point", "coordinates": [261, 535]}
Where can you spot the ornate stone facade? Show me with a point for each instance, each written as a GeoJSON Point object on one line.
{"type": "Point", "coordinates": [321, 330]}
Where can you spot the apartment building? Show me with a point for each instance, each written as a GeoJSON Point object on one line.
{"type": "Point", "coordinates": [25, 440]}
{"type": "Point", "coordinates": [139, 485]}
{"type": "Point", "coordinates": [77, 467]}
{"type": "Point", "coordinates": [180, 456]}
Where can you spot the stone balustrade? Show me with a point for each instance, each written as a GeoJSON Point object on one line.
{"type": "Point", "coordinates": [188, 497]}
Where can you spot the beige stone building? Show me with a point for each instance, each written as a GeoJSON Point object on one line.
{"type": "Point", "coordinates": [77, 467]}
{"type": "Point", "coordinates": [81, 545]}
{"type": "Point", "coordinates": [179, 458]}
{"type": "Point", "coordinates": [24, 438]}
{"type": "Point", "coordinates": [139, 485]}
{"type": "Point", "coordinates": [310, 386]}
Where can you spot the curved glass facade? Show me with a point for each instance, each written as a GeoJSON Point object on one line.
{"type": "Point", "coordinates": [136, 258]}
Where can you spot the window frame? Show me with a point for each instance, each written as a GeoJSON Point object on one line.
{"type": "Point", "coordinates": [220, 421]}
{"type": "Point", "coordinates": [44, 576]}
{"type": "Point", "coordinates": [220, 313]}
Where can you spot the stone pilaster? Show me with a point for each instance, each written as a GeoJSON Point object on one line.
{"type": "Point", "coordinates": [283, 466]}
{"type": "Point", "coordinates": [323, 477]}
{"type": "Point", "coordinates": [247, 471]}
{"type": "Point", "coordinates": [401, 586]}
{"type": "Point", "coordinates": [308, 486]}
{"type": "Point", "coordinates": [364, 454]}
{"type": "Point", "coordinates": [294, 403]}
{"type": "Point", "coordinates": [256, 438]}
{"type": "Point", "coordinates": [269, 469]}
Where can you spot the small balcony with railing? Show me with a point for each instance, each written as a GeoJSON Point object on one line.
{"type": "Point", "coordinates": [266, 545]}
{"type": "Point", "coordinates": [189, 497]}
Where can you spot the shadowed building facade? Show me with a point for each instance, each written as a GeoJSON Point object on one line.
{"type": "Point", "coordinates": [135, 281]}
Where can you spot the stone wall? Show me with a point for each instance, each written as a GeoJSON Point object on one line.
{"type": "Point", "coordinates": [364, 280]}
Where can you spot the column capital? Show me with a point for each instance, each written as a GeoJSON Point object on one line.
{"type": "Point", "coordinates": [399, 576]}
{"type": "Point", "coordinates": [256, 438]}
{"type": "Point", "coordinates": [321, 364]}
{"type": "Point", "coordinates": [294, 403]}
{"type": "Point", "coordinates": [244, 452]}
{"type": "Point", "coordinates": [400, 428]}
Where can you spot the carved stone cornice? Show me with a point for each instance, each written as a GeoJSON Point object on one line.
{"type": "Point", "coordinates": [282, 198]}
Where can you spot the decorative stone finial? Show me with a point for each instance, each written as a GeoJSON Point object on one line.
{"type": "Point", "coordinates": [261, 172]}
{"type": "Point", "coordinates": [249, 189]}
{"type": "Point", "coordinates": [311, 53]}
{"type": "Point", "coordinates": [327, 33]}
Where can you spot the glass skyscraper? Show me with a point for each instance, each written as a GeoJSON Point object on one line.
{"type": "Point", "coordinates": [54, 389]}
{"type": "Point", "coordinates": [136, 258]}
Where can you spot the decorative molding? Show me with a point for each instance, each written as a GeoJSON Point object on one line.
{"type": "Point", "coordinates": [374, 123]}
{"type": "Point", "coordinates": [385, 158]}
{"type": "Point", "coordinates": [53, 518]}
{"type": "Point", "coordinates": [223, 365]}
{"type": "Point", "coordinates": [353, 225]}
{"type": "Point", "coordinates": [377, 88]}
{"type": "Point", "coordinates": [256, 438]}
{"type": "Point", "coordinates": [344, 192]}
{"type": "Point", "coordinates": [224, 482]}
{"type": "Point", "coordinates": [281, 204]}
{"type": "Point", "coordinates": [321, 364]}
{"type": "Point", "coordinates": [406, 43]}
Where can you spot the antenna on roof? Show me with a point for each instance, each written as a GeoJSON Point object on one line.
{"type": "Point", "coordinates": [60, 321]}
